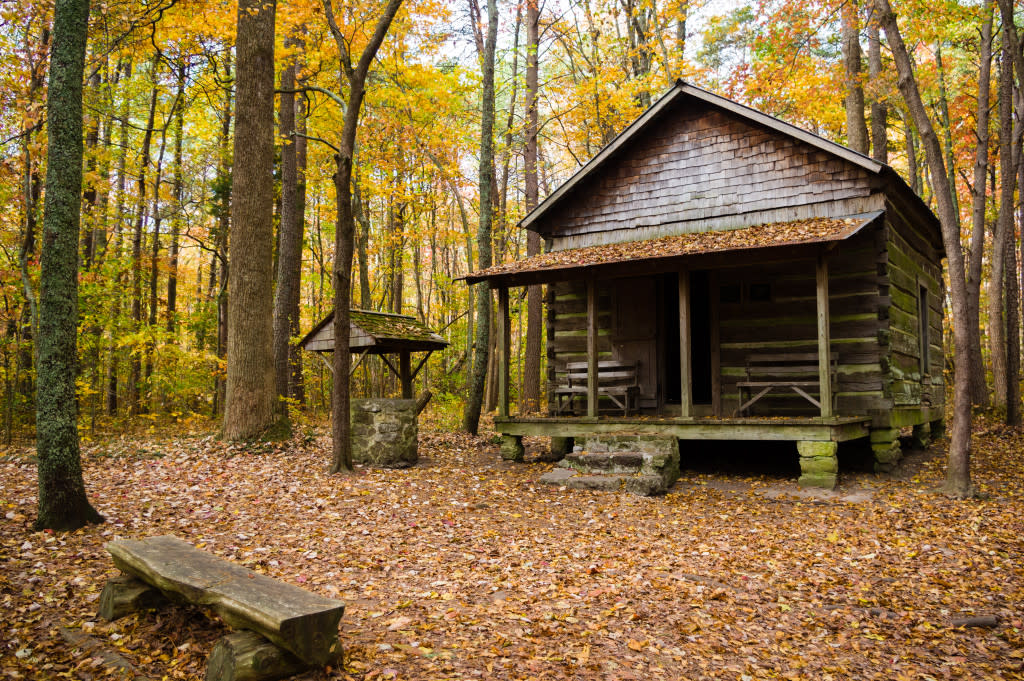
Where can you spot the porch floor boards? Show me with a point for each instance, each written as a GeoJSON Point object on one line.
{"type": "Point", "coordinates": [793, 428]}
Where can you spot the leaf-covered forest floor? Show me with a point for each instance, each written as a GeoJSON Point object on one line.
{"type": "Point", "coordinates": [463, 567]}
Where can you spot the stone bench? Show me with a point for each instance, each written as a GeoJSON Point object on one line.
{"type": "Point", "coordinates": [284, 629]}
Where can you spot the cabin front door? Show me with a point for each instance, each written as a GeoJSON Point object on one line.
{"type": "Point", "coordinates": [635, 332]}
{"type": "Point", "coordinates": [700, 337]}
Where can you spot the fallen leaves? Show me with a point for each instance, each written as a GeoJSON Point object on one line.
{"type": "Point", "coordinates": [757, 236]}
{"type": "Point", "coordinates": [463, 567]}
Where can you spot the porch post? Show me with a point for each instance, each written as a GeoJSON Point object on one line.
{"type": "Point", "coordinates": [503, 352]}
{"type": "Point", "coordinates": [405, 374]}
{"type": "Point", "coordinates": [685, 389]}
{"type": "Point", "coordinates": [716, 348]}
{"type": "Point", "coordinates": [591, 348]}
{"type": "Point", "coordinates": [824, 342]}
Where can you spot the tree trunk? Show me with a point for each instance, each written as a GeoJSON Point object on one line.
{"type": "Point", "coordinates": [119, 217]}
{"type": "Point", "coordinates": [474, 401]}
{"type": "Point", "coordinates": [365, 302]}
{"type": "Point", "coordinates": [220, 260]}
{"type": "Point", "coordinates": [1017, 53]}
{"type": "Point", "coordinates": [250, 397]}
{"type": "Point", "coordinates": [154, 273]}
{"type": "Point", "coordinates": [63, 504]}
{"type": "Point", "coordinates": [947, 129]}
{"type": "Point", "coordinates": [1008, 181]}
{"type": "Point", "coordinates": [534, 308]}
{"type": "Point", "coordinates": [958, 470]}
{"type": "Point", "coordinates": [91, 194]}
{"type": "Point", "coordinates": [289, 248]}
{"type": "Point", "coordinates": [979, 390]}
{"type": "Point", "coordinates": [341, 425]}
{"type": "Point", "coordinates": [296, 387]}
{"type": "Point", "coordinates": [912, 170]}
{"type": "Point", "coordinates": [856, 127]}
{"type": "Point", "coordinates": [179, 208]}
{"type": "Point", "coordinates": [879, 110]}
{"type": "Point", "coordinates": [135, 379]}
{"type": "Point", "coordinates": [396, 256]}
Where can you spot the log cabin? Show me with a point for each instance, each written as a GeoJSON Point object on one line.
{"type": "Point", "coordinates": [717, 273]}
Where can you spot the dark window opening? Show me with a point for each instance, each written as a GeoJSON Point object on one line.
{"type": "Point", "coordinates": [760, 293]}
{"type": "Point", "coordinates": [729, 293]}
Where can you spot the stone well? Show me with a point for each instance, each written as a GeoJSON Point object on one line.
{"type": "Point", "coordinates": [384, 432]}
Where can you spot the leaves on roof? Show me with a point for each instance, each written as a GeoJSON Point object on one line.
{"type": "Point", "coordinates": [384, 325]}
{"type": "Point", "coordinates": [759, 236]}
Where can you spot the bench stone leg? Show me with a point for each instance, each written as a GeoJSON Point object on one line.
{"type": "Point", "coordinates": [512, 448]}
{"type": "Point", "coordinates": [938, 429]}
{"type": "Point", "coordinates": [247, 656]}
{"type": "Point", "coordinates": [922, 436]}
{"type": "Point", "coordinates": [819, 465]}
{"type": "Point", "coordinates": [124, 595]}
{"type": "Point", "coordinates": [885, 444]}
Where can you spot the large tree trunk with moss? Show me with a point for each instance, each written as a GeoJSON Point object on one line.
{"type": "Point", "coordinates": [958, 469]}
{"type": "Point", "coordinates": [474, 401]}
{"type": "Point", "coordinates": [534, 307]}
{"type": "Point", "coordinates": [250, 396]}
{"type": "Point", "coordinates": [63, 504]}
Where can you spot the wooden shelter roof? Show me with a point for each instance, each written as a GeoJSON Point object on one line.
{"type": "Point", "coordinates": [681, 92]}
{"type": "Point", "coordinates": [567, 263]}
{"type": "Point", "coordinates": [376, 333]}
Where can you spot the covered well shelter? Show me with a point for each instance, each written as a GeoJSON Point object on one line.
{"type": "Point", "coordinates": [717, 273]}
{"type": "Point", "coordinates": [380, 333]}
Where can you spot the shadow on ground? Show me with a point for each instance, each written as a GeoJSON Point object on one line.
{"type": "Point", "coordinates": [764, 458]}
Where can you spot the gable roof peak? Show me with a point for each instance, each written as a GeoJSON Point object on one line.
{"type": "Point", "coordinates": [680, 90]}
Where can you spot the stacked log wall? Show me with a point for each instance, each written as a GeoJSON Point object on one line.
{"type": "Point", "coordinates": [787, 323]}
{"type": "Point", "coordinates": [912, 262]}
{"type": "Point", "coordinates": [567, 329]}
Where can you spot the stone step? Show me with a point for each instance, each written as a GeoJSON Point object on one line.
{"type": "Point", "coordinates": [614, 462]}
{"type": "Point", "coordinates": [642, 485]}
{"type": "Point", "coordinates": [641, 464]}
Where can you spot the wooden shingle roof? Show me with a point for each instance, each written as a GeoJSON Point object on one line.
{"type": "Point", "coordinates": [375, 332]}
{"type": "Point", "coordinates": [680, 91]}
{"type": "Point", "coordinates": [567, 263]}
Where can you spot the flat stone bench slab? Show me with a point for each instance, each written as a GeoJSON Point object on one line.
{"type": "Point", "coordinates": [301, 622]}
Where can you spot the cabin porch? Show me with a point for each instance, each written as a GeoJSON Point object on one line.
{"type": "Point", "coordinates": [792, 428]}
{"type": "Point", "coordinates": [674, 346]}
{"type": "Point", "coordinates": [721, 340]}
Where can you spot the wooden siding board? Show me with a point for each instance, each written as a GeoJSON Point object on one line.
{"type": "Point", "coordinates": [699, 163]}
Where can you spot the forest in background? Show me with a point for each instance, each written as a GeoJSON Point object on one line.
{"type": "Point", "coordinates": [159, 110]}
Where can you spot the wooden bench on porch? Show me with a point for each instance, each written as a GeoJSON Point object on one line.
{"type": "Point", "coordinates": [616, 380]}
{"type": "Point", "coordinates": [284, 629]}
{"type": "Point", "coordinates": [798, 371]}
